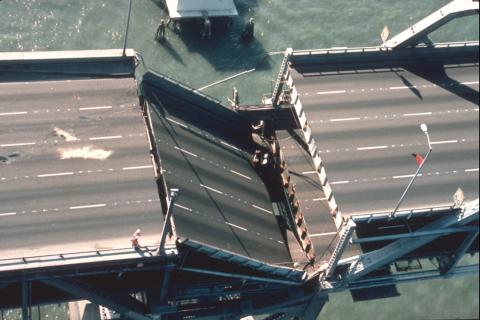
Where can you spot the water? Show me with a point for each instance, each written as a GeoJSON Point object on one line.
{"type": "Point", "coordinates": [35, 25]}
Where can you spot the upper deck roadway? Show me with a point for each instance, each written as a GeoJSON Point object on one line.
{"type": "Point", "coordinates": [366, 124]}
{"type": "Point", "coordinates": [75, 169]}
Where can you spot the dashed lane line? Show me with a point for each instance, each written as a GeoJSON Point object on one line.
{"type": "Point", "coordinates": [211, 189]}
{"type": "Point", "coordinates": [417, 114]}
{"type": "Point", "coordinates": [13, 113]}
{"type": "Point", "coordinates": [344, 119]}
{"type": "Point", "coordinates": [372, 148]}
{"type": "Point", "coordinates": [469, 82]}
{"type": "Point", "coordinates": [471, 170]}
{"type": "Point", "coordinates": [105, 138]}
{"type": "Point", "coordinates": [314, 235]}
{"type": "Point", "coordinates": [331, 92]}
{"type": "Point", "coordinates": [59, 174]}
{"type": "Point", "coordinates": [95, 108]}
{"type": "Point", "coordinates": [403, 176]}
{"type": "Point", "coordinates": [235, 226]}
{"type": "Point", "coordinates": [182, 207]}
{"type": "Point", "coordinates": [138, 167]}
{"type": "Point", "coordinates": [340, 182]}
{"type": "Point", "coordinates": [18, 144]}
{"type": "Point", "coordinates": [7, 214]}
{"type": "Point", "coordinates": [262, 209]}
{"type": "Point", "coordinates": [176, 122]}
{"type": "Point", "coordinates": [402, 87]}
{"type": "Point", "coordinates": [444, 142]}
{"type": "Point", "coordinates": [88, 206]}
{"type": "Point", "coordinates": [229, 145]}
{"type": "Point", "coordinates": [241, 175]}
{"type": "Point", "coordinates": [185, 151]}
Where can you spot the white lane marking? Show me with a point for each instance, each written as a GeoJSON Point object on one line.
{"type": "Point", "coordinates": [229, 145]}
{"type": "Point", "coordinates": [331, 92]}
{"type": "Point", "coordinates": [17, 144]}
{"type": "Point", "coordinates": [372, 148]}
{"type": "Point", "coordinates": [403, 176]}
{"type": "Point", "coordinates": [137, 168]}
{"type": "Point", "coordinates": [241, 175]}
{"type": "Point", "coordinates": [469, 82]}
{"type": "Point", "coordinates": [417, 114]}
{"type": "Point", "coordinates": [8, 214]}
{"type": "Point", "coordinates": [185, 151]}
{"type": "Point", "coordinates": [319, 199]}
{"type": "Point", "coordinates": [340, 182]}
{"type": "Point", "coordinates": [261, 209]}
{"type": "Point", "coordinates": [322, 234]}
{"type": "Point", "coordinates": [211, 189]}
{"type": "Point", "coordinates": [46, 175]}
{"type": "Point", "coordinates": [235, 226]}
{"type": "Point", "coordinates": [444, 142]}
{"type": "Point", "coordinates": [95, 108]}
{"type": "Point", "coordinates": [471, 170]}
{"type": "Point", "coordinates": [88, 206]}
{"type": "Point", "coordinates": [182, 207]}
{"type": "Point", "coordinates": [402, 87]}
{"type": "Point", "coordinates": [13, 113]}
{"type": "Point", "coordinates": [176, 122]}
{"type": "Point", "coordinates": [309, 172]}
{"type": "Point", "coordinates": [344, 119]}
{"type": "Point", "coordinates": [105, 138]}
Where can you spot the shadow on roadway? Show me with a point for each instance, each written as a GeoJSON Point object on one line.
{"type": "Point", "coordinates": [436, 73]}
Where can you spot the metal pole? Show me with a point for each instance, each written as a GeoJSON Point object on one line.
{"type": "Point", "coordinates": [126, 28]}
{"type": "Point", "coordinates": [425, 130]}
{"type": "Point", "coordinates": [166, 225]}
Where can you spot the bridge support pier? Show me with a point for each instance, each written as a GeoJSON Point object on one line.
{"type": "Point", "coordinates": [26, 300]}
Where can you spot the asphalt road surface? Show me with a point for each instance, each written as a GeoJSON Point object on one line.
{"type": "Point", "coordinates": [222, 201]}
{"type": "Point", "coordinates": [367, 125]}
{"type": "Point", "coordinates": [50, 194]}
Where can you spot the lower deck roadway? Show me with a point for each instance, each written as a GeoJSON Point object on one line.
{"type": "Point", "coordinates": [366, 125]}
{"type": "Point", "coordinates": [75, 170]}
{"type": "Point", "coordinates": [222, 201]}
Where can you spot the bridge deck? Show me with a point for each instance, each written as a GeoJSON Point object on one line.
{"type": "Point", "coordinates": [366, 125]}
{"type": "Point", "coordinates": [222, 200]}
{"type": "Point", "coordinates": [52, 199]}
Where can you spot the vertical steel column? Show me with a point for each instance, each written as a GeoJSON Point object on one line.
{"type": "Point", "coordinates": [26, 300]}
{"type": "Point", "coordinates": [126, 28]}
{"type": "Point", "coordinates": [167, 225]}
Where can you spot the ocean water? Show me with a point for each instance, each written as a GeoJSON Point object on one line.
{"type": "Point", "coordinates": [37, 25]}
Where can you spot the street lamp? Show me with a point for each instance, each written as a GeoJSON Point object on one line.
{"type": "Point", "coordinates": [424, 128]}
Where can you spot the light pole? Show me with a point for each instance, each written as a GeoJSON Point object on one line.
{"type": "Point", "coordinates": [167, 224]}
{"type": "Point", "coordinates": [126, 28]}
{"type": "Point", "coordinates": [424, 128]}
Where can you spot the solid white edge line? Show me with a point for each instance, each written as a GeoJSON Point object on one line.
{"type": "Point", "coordinates": [344, 119]}
{"type": "Point", "coordinates": [322, 234]}
{"type": "Point", "coordinates": [417, 114]}
{"type": "Point", "coordinates": [139, 167]}
{"type": "Point", "coordinates": [261, 209]}
{"type": "Point", "coordinates": [372, 148]}
{"type": "Point", "coordinates": [17, 144]}
{"type": "Point", "coordinates": [185, 151]}
{"type": "Point", "coordinates": [105, 138]}
{"type": "Point", "coordinates": [176, 122]}
{"type": "Point", "coordinates": [8, 214]}
{"type": "Point", "coordinates": [235, 226]}
{"type": "Point", "coordinates": [241, 175]}
{"type": "Point", "coordinates": [182, 207]}
{"type": "Point", "coordinates": [331, 92]}
{"type": "Point", "coordinates": [46, 175]}
{"type": "Point", "coordinates": [471, 170]}
{"type": "Point", "coordinates": [88, 206]}
{"type": "Point", "coordinates": [340, 182]}
{"type": "Point", "coordinates": [444, 142]}
{"type": "Point", "coordinates": [211, 189]}
{"type": "Point", "coordinates": [95, 108]}
{"type": "Point", "coordinates": [13, 113]}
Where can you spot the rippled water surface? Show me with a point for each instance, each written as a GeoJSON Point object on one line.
{"type": "Point", "coordinates": [36, 25]}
